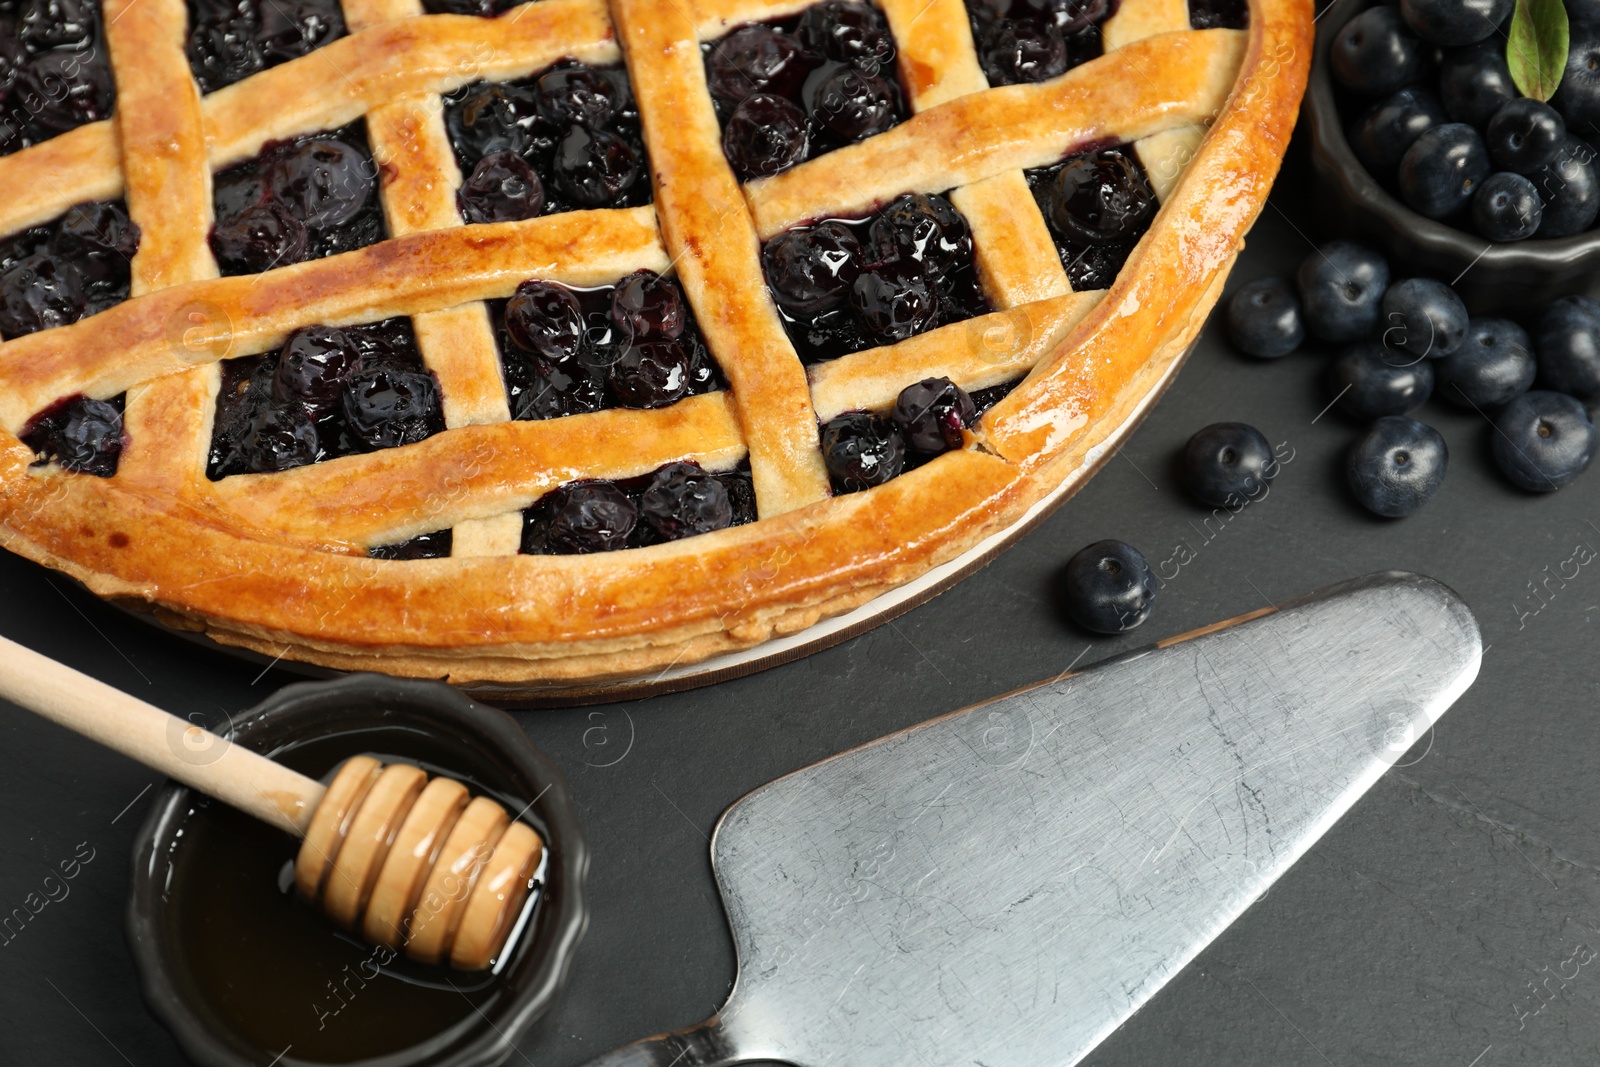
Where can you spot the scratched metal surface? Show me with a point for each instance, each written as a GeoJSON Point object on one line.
{"type": "Point", "coordinates": [1007, 884]}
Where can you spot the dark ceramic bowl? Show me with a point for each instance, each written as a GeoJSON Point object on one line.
{"type": "Point", "coordinates": [1492, 278]}
{"type": "Point", "coordinates": [312, 725]}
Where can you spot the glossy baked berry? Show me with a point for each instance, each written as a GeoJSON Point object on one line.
{"type": "Point", "coordinates": [96, 229]}
{"type": "Point", "coordinates": [488, 118]}
{"type": "Point", "coordinates": [758, 59]}
{"type": "Point", "coordinates": [648, 307]}
{"type": "Point", "coordinates": [501, 188]}
{"type": "Point", "coordinates": [1264, 318]}
{"type": "Point", "coordinates": [1570, 189]}
{"type": "Point", "coordinates": [1494, 364]}
{"type": "Point", "coordinates": [1068, 16]}
{"type": "Point", "coordinates": [61, 91]}
{"type": "Point", "coordinates": [1107, 587]}
{"type": "Point", "coordinates": [313, 369]}
{"type": "Point", "coordinates": [1543, 440]}
{"type": "Point", "coordinates": [260, 237]}
{"type": "Point", "coordinates": [281, 439]}
{"type": "Point", "coordinates": [80, 433]}
{"type": "Point", "coordinates": [545, 319]}
{"type": "Point", "coordinates": [40, 292]}
{"type": "Point", "coordinates": [576, 95]}
{"type": "Point", "coordinates": [594, 167]}
{"type": "Point", "coordinates": [1441, 171]}
{"type": "Point", "coordinates": [932, 415]}
{"type": "Point", "coordinates": [1568, 347]}
{"type": "Point", "coordinates": [1455, 22]}
{"type": "Point", "coordinates": [1382, 135]}
{"type": "Point", "coordinates": [1015, 53]}
{"type": "Point", "coordinates": [1341, 287]}
{"type": "Point", "coordinates": [1507, 208]}
{"type": "Point", "coordinates": [852, 105]}
{"type": "Point", "coordinates": [293, 28]}
{"type": "Point", "coordinates": [323, 182]}
{"type": "Point", "coordinates": [650, 374]}
{"type": "Point", "coordinates": [895, 300]}
{"type": "Point", "coordinates": [551, 390]}
{"type": "Point", "coordinates": [854, 33]}
{"type": "Point", "coordinates": [861, 451]}
{"type": "Point", "coordinates": [1475, 82]}
{"type": "Point", "coordinates": [1100, 197]}
{"type": "Point", "coordinates": [66, 24]}
{"type": "Point", "coordinates": [587, 517]}
{"type": "Point", "coordinates": [811, 270]}
{"type": "Point", "coordinates": [1375, 53]}
{"type": "Point", "coordinates": [1396, 466]}
{"type": "Point", "coordinates": [1228, 464]}
{"type": "Point", "coordinates": [1370, 381]}
{"type": "Point", "coordinates": [1578, 95]}
{"type": "Point", "coordinates": [223, 51]}
{"type": "Point", "coordinates": [1524, 135]}
{"type": "Point", "coordinates": [681, 501]}
{"type": "Point", "coordinates": [764, 136]}
{"type": "Point", "coordinates": [385, 407]}
{"type": "Point", "coordinates": [923, 227]}
{"type": "Point", "coordinates": [1219, 14]}
{"type": "Point", "coordinates": [1422, 318]}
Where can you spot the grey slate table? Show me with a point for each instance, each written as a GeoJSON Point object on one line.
{"type": "Point", "coordinates": [1451, 919]}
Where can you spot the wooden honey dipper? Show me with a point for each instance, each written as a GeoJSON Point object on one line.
{"type": "Point", "coordinates": [406, 861]}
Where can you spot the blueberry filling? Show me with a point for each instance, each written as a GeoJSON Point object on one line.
{"type": "Point", "coordinates": [672, 502]}
{"type": "Point", "coordinates": [793, 90]}
{"type": "Point", "coordinates": [1098, 204]}
{"type": "Point", "coordinates": [631, 345]}
{"type": "Point", "coordinates": [53, 71]}
{"type": "Point", "coordinates": [844, 285]}
{"type": "Point", "coordinates": [66, 270]}
{"type": "Point", "coordinates": [229, 40]}
{"type": "Point", "coordinates": [434, 545]}
{"type": "Point", "coordinates": [327, 392]}
{"type": "Point", "coordinates": [862, 449]}
{"type": "Point", "coordinates": [1219, 14]}
{"type": "Point", "coordinates": [482, 8]}
{"type": "Point", "coordinates": [79, 433]}
{"type": "Point", "coordinates": [301, 199]}
{"type": "Point", "coordinates": [565, 139]}
{"type": "Point", "coordinates": [1023, 41]}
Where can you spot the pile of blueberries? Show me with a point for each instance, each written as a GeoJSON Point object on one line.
{"type": "Point", "coordinates": [790, 91]}
{"type": "Point", "coordinates": [1408, 339]}
{"type": "Point", "coordinates": [672, 502]}
{"type": "Point", "coordinates": [862, 449]}
{"type": "Point", "coordinates": [1437, 116]}
{"type": "Point", "coordinates": [66, 270]}
{"type": "Point", "coordinates": [229, 40]}
{"type": "Point", "coordinates": [53, 71]}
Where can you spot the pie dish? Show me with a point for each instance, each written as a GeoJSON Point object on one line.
{"type": "Point", "coordinates": [535, 345]}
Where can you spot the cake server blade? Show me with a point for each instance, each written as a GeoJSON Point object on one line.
{"type": "Point", "coordinates": [1007, 884]}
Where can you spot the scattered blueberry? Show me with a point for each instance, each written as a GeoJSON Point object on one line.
{"type": "Point", "coordinates": [1382, 135]}
{"type": "Point", "coordinates": [1423, 318]}
{"type": "Point", "coordinates": [587, 517]}
{"type": "Point", "coordinates": [1396, 466]}
{"type": "Point", "coordinates": [682, 500]}
{"type": "Point", "coordinates": [764, 136]}
{"type": "Point", "coordinates": [1455, 22]}
{"type": "Point", "coordinates": [1341, 286]}
{"type": "Point", "coordinates": [1543, 440]}
{"type": "Point", "coordinates": [650, 374]}
{"type": "Point", "coordinates": [648, 307]}
{"type": "Point", "coordinates": [932, 414]}
{"type": "Point", "coordinates": [1108, 587]}
{"type": "Point", "coordinates": [1524, 135]}
{"type": "Point", "coordinates": [811, 270]}
{"type": "Point", "coordinates": [925, 228]}
{"type": "Point", "coordinates": [895, 300]}
{"type": "Point", "coordinates": [861, 451]}
{"type": "Point", "coordinates": [1101, 197]}
{"type": "Point", "coordinates": [385, 407]}
{"type": "Point", "coordinates": [313, 369]}
{"type": "Point", "coordinates": [1578, 95]}
{"type": "Point", "coordinates": [1507, 208]}
{"type": "Point", "coordinates": [1264, 318]}
{"type": "Point", "coordinates": [1570, 189]}
{"type": "Point", "coordinates": [1441, 171]}
{"type": "Point", "coordinates": [1568, 347]}
{"type": "Point", "coordinates": [1228, 464]}
{"type": "Point", "coordinates": [1475, 82]}
{"type": "Point", "coordinates": [1370, 381]}
{"type": "Point", "coordinates": [1375, 53]}
{"type": "Point", "coordinates": [501, 188]}
{"type": "Point", "coordinates": [1494, 364]}
{"type": "Point", "coordinates": [545, 320]}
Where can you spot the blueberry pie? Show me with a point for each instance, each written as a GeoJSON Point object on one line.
{"type": "Point", "coordinates": [536, 344]}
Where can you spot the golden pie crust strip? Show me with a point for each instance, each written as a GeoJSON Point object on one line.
{"type": "Point", "coordinates": [1017, 126]}
{"type": "Point", "coordinates": [717, 257]}
{"type": "Point", "coordinates": [172, 329]}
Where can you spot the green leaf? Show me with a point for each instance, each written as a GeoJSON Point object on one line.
{"type": "Point", "coordinates": [1537, 49]}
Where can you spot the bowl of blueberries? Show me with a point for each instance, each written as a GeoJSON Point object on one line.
{"type": "Point", "coordinates": [1459, 136]}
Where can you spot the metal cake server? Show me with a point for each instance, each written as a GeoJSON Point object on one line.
{"type": "Point", "coordinates": [1007, 884]}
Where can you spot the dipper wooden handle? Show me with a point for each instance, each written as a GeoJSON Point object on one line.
{"type": "Point", "coordinates": [407, 862]}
